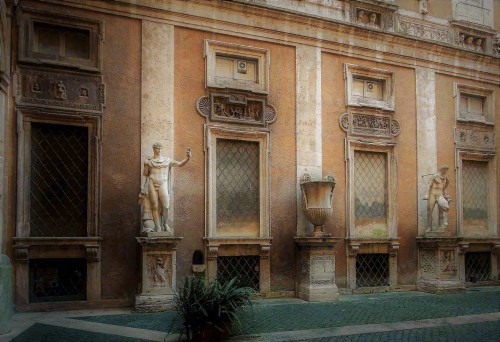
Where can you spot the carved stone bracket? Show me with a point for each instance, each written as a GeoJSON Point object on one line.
{"type": "Point", "coordinates": [265, 251]}
{"type": "Point", "coordinates": [213, 252]}
{"type": "Point", "coordinates": [60, 90]}
{"type": "Point", "coordinates": [475, 139]}
{"type": "Point", "coordinates": [354, 249]}
{"type": "Point", "coordinates": [21, 253]}
{"type": "Point", "coordinates": [369, 125]}
{"type": "Point", "coordinates": [92, 252]}
{"type": "Point", "coordinates": [237, 108]}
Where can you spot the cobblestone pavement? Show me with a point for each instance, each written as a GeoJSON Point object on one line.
{"type": "Point", "coordinates": [398, 316]}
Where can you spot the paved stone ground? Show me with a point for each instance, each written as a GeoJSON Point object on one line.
{"type": "Point", "coordinates": [399, 316]}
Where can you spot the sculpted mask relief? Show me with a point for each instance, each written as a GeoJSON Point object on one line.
{"type": "Point", "coordinates": [156, 189]}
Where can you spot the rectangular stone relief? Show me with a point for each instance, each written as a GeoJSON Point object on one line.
{"type": "Point", "coordinates": [322, 269]}
{"type": "Point", "coordinates": [475, 139]}
{"type": "Point", "coordinates": [157, 273]}
{"type": "Point", "coordinates": [60, 89]}
{"type": "Point", "coordinates": [425, 30]}
{"type": "Point", "coordinates": [237, 108]}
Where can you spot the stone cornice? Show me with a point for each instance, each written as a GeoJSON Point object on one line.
{"type": "Point", "coordinates": [331, 35]}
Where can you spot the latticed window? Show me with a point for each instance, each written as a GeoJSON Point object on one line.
{"type": "Point", "coordinates": [244, 267]}
{"type": "Point", "coordinates": [237, 187]}
{"type": "Point", "coordinates": [477, 266]}
{"type": "Point", "coordinates": [59, 180]}
{"type": "Point", "coordinates": [57, 280]}
{"type": "Point", "coordinates": [370, 187]}
{"type": "Point", "coordinates": [372, 270]}
{"type": "Point", "coordinates": [475, 190]}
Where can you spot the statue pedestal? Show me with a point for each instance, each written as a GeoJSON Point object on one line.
{"type": "Point", "coordinates": [316, 269]}
{"type": "Point", "coordinates": [158, 270]}
{"type": "Point", "coordinates": [438, 265]}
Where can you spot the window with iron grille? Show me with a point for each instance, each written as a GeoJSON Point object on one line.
{"type": "Point", "coordinates": [59, 180]}
{"type": "Point", "coordinates": [237, 184]}
{"type": "Point", "coordinates": [477, 266]}
{"type": "Point", "coordinates": [372, 270]}
{"type": "Point", "coordinates": [52, 280]}
{"type": "Point", "coordinates": [370, 189]}
{"type": "Point", "coordinates": [244, 267]}
{"type": "Point", "coordinates": [475, 191]}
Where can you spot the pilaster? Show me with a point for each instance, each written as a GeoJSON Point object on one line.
{"type": "Point", "coordinates": [308, 121]}
{"type": "Point", "coordinates": [426, 137]}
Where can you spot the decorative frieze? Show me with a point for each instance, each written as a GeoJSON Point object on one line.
{"type": "Point", "coordinates": [237, 108]}
{"type": "Point", "coordinates": [423, 29]}
{"type": "Point", "coordinates": [60, 89]}
{"type": "Point", "coordinates": [369, 125]}
{"type": "Point", "coordinates": [470, 138]}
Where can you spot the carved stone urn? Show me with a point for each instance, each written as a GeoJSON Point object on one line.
{"type": "Point", "coordinates": [317, 200]}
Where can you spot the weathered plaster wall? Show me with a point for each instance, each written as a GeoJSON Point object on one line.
{"type": "Point", "coordinates": [334, 159]}
{"type": "Point", "coordinates": [189, 186]}
{"type": "Point", "coordinates": [121, 157]}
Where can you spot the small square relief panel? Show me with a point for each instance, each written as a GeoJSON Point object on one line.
{"type": "Point", "coordinates": [235, 66]}
{"type": "Point", "coordinates": [369, 87]}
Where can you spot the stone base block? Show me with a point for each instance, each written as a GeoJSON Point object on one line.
{"type": "Point", "coordinates": [153, 303]}
{"type": "Point", "coordinates": [316, 269]}
{"type": "Point", "coordinates": [318, 294]}
{"type": "Point", "coordinates": [440, 286]}
{"type": "Point", "coordinates": [6, 305]}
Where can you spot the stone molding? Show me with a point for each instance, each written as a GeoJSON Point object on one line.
{"type": "Point", "coordinates": [57, 89]}
{"type": "Point", "coordinates": [364, 124]}
{"type": "Point", "coordinates": [236, 108]}
{"type": "Point", "coordinates": [489, 157]}
{"type": "Point", "coordinates": [262, 137]}
{"type": "Point", "coordinates": [214, 48]}
{"type": "Point", "coordinates": [27, 16]}
{"type": "Point", "coordinates": [375, 145]}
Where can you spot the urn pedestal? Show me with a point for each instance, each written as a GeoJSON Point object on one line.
{"type": "Point", "coordinates": [438, 265]}
{"type": "Point", "coordinates": [316, 268]}
{"type": "Point", "coordinates": [158, 272]}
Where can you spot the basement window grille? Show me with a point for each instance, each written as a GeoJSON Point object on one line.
{"type": "Point", "coordinates": [57, 280]}
{"type": "Point", "coordinates": [372, 270]}
{"type": "Point", "coordinates": [245, 268]}
{"type": "Point", "coordinates": [477, 266]}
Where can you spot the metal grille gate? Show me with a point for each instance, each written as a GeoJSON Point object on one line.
{"type": "Point", "coordinates": [477, 266]}
{"type": "Point", "coordinates": [244, 267]}
{"type": "Point", "coordinates": [59, 180]}
{"type": "Point", "coordinates": [372, 270]}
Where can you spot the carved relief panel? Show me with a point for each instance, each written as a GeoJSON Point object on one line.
{"type": "Point", "coordinates": [379, 126]}
{"type": "Point", "coordinates": [157, 272]}
{"type": "Point", "coordinates": [236, 108]}
{"type": "Point", "coordinates": [60, 89]}
{"type": "Point", "coordinates": [373, 14]}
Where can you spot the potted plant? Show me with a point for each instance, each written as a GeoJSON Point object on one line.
{"type": "Point", "coordinates": [208, 309]}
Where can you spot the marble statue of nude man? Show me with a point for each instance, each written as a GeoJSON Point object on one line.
{"type": "Point", "coordinates": [437, 195]}
{"type": "Point", "coordinates": [156, 189]}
